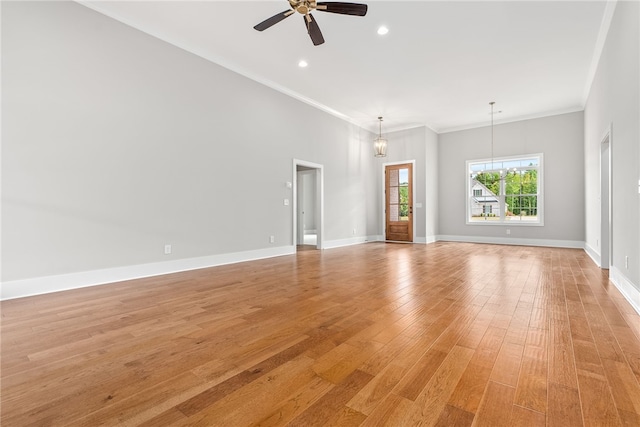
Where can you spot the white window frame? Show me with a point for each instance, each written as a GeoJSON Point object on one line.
{"type": "Point", "coordinates": [502, 221]}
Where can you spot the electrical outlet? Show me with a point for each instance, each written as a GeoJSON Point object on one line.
{"type": "Point", "coordinates": [354, 231]}
{"type": "Point", "coordinates": [286, 202]}
{"type": "Point", "coordinates": [626, 262]}
{"type": "Point", "coordinates": [508, 231]}
{"type": "Point", "coordinates": [597, 243]}
{"type": "Point", "coordinates": [272, 239]}
{"type": "Point", "coordinates": [167, 249]}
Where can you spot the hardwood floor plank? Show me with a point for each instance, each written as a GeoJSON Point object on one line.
{"type": "Point", "coordinates": [454, 417]}
{"type": "Point", "coordinates": [433, 398]}
{"type": "Point", "coordinates": [598, 406]}
{"type": "Point", "coordinates": [523, 417]}
{"type": "Point", "coordinates": [377, 389]}
{"type": "Point", "coordinates": [562, 368]}
{"type": "Point", "coordinates": [325, 408]}
{"type": "Point", "coordinates": [418, 377]}
{"type": "Point", "coordinates": [507, 366]}
{"type": "Point", "coordinates": [376, 334]}
{"type": "Point", "coordinates": [473, 382]}
{"type": "Point", "coordinates": [564, 406]}
{"type": "Point", "coordinates": [496, 405]}
{"type": "Point", "coordinates": [293, 406]}
{"type": "Point", "coordinates": [390, 412]}
{"type": "Point", "coordinates": [624, 389]}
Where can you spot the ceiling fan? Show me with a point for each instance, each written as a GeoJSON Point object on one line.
{"type": "Point", "coordinates": [305, 7]}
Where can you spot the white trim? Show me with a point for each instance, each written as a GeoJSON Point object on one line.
{"type": "Point", "coordinates": [532, 116]}
{"type": "Point", "coordinates": [626, 287]}
{"type": "Point", "coordinates": [593, 254]}
{"type": "Point", "coordinates": [431, 239]}
{"type": "Point", "coordinates": [319, 194]}
{"type": "Point", "coordinates": [63, 282]}
{"type": "Point", "coordinates": [502, 197]}
{"type": "Point", "coordinates": [575, 244]}
{"type": "Point", "coordinates": [331, 244]}
{"type": "Point", "coordinates": [607, 17]}
{"type": "Point", "coordinates": [607, 138]}
{"type": "Point", "coordinates": [384, 198]}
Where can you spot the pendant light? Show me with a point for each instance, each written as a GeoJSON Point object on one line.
{"type": "Point", "coordinates": [380, 144]}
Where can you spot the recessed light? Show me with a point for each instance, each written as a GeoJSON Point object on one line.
{"type": "Point", "coordinates": [383, 30]}
{"type": "Point", "coordinates": [302, 63]}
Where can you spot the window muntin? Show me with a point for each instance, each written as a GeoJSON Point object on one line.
{"type": "Point", "coordinates": [505, 191]}
{"type": "Point", "coordinates": [399, 194]}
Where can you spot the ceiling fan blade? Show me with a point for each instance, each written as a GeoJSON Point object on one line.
{"type": "Point", "coordinates": [313, 30]}
{"type": "Point", "coordinates": [273, 20]}
{"type": "Point", "coordinates": [356, 9]}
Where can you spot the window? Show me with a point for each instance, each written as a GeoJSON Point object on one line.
{"type": "Point", "coordinates": [505, 191]}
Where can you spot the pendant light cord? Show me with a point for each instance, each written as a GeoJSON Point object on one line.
{"type": "Point", "coordinates": [491, 103]}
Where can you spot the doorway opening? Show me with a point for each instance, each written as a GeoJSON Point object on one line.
{"type": "Point", "coordinates": [605, 201]}
{"type": "Point", "coordinates": [308, 205]}
{"type": "Point", "coordinates": [398, 201]}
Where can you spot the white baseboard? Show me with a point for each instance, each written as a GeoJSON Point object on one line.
{"type": "Point", "coordinates": [423, 240]}
{"type": "Point", "coordinates": [626, 287]}
{"type": "Point", "coordinates": [595, 256]}
{"type": "Point", "coordinates": [513, 241]}
{"type": "Point", "coordinates": [330, 244]}
{"type": "Point", "coordinates": [63, 282]}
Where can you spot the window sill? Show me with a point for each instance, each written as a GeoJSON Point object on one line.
{"type": "Point", "coordinates": [507, 223]}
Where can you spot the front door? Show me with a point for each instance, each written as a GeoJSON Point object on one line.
{"type": "Point", "coordinates": [399, 202]}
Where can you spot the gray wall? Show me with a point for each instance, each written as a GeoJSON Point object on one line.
{"type": "Point", "coordinates": [116, 143]}
{"type": "Point", "coordinates": [614, 100]}
{"type": "Point", "coordinates": [559, 138]}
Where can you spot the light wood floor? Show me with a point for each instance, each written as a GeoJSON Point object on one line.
{"type": "Point", "coordinates": [377, 334]}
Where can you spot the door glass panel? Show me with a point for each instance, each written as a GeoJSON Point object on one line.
{"type": "Point", "coordinates": [404, 176]}
{"type": "Point", "coordinates": [393, 177]}
{"type": "Point", "coordinates": [399, 194]}
{"type": "Point", "coordinates": [394, 197]}
{"type": "Point", "coordinates": [403, 211]}
{"type": "Point", "coordinates": [393, 213]}
{"type": "Point", "coordinates": [403, 208]}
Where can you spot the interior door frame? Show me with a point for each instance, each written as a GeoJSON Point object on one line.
{"type": "Point", "coordinates": [606, 206]}
{"type": "Point", "coordinates": [319, 203]}
{"type": "Point", "coordinates": [384, 198]}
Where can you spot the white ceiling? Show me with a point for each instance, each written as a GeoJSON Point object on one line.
{"type": "Point", "coordinates": [440, 64]}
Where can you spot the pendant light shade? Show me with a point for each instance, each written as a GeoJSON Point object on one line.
{"type": "Point", "coordinates": [380, 144]}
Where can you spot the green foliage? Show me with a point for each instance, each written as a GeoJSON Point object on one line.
{"type": "Point", "coordinates": [520, 190]}
{"type": "Point", "coordinates": [491, 180]}
{"type": "Point", "coordinates": [404, 201]}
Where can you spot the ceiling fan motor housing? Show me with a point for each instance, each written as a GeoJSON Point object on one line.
{"type": "Point", "coordinates": [303, 6]}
